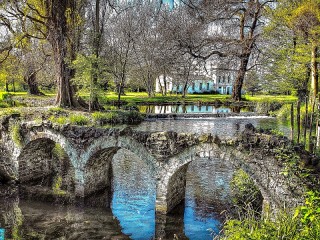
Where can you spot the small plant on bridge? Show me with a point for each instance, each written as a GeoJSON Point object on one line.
{"type": "Point", "coordinates": [58, 152]}
{"type": "Point", "coordinates": [56, 187]}
{"type": "Point", "coordinates": [16, 135]}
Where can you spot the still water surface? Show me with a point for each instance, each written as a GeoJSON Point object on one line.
{"type": "Point", "coordinates": [132, 214]}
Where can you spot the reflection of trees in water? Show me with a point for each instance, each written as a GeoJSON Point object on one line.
{"type": "Point", "coordinates": [35, 220]}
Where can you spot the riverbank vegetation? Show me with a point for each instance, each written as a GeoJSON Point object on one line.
{"type": "Point", "coordinates": [300, 223]}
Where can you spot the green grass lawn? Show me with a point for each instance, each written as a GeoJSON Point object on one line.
{"type": "Point", "coordinates": [142, 97]}
{"type": "Point", "coordinates": [134, 97]}
{"type": "Point", "coordinates": [270, 98]}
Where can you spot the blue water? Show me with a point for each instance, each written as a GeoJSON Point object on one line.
{"type": "Point", "coordinates": [134, 198]}
{"type": "Point", "coordinates": [2, 232]}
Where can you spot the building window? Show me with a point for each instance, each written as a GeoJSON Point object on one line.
{"type": "Point", "coordinates": [208, 86]}
{"type": "Point", "coordinates": [200, 86]}
{"type": "Point", "coordinates": [193, 86]}
{"type": "Point", "coordinates": [223, 79]}
{"type": "Point", "coordinates": [229, 79]}
{"type": "Point", "coordinates": [219, 79]}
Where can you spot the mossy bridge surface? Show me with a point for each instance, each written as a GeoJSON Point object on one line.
{"type": "Point", "coordinates": [80, 169]}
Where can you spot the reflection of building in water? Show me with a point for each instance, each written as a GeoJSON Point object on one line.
{"type": "Point", "coordinates": [190, 109]}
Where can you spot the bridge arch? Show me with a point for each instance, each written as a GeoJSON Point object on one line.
{"type": "Point", "coordinates": [98, 161]}
{"type": "Point", "coordinates": [172, 174]}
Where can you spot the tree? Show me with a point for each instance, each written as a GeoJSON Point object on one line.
{"type": "Point", "coordinates": [294, 58]}
{"type": "Point", "coordinates": [232, 30]}
{"type": "Point", "coordinates": [57, 21]}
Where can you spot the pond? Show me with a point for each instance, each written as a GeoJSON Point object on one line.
{"type": "Point", "coordinates": [132, 214]}
{"type": "Point", "coordinates": [191, 108]}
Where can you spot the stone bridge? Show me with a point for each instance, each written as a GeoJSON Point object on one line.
{"type": "Point", "coordinates": [81, 157]}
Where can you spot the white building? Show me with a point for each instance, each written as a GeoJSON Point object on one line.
{"type": "Point", "coordinates": [207, 78]}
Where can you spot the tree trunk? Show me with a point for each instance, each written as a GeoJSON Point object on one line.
{"type": "Point", "coordinates": [95, 66]}
{"type": "Point", "coordinates": [237, 87]}
{"type": "Point", "coordinates": [184, 90]}
{"type": "Point", "coordinates": [314, 71]}
{"type": "Point", "coordinates": [58, 37]}
{"type": "Point", "coordinates": [31, 81]}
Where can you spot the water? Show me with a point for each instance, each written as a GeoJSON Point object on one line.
{"type": "Point", "coordinates": [191, 108]}
{"type": "Point", "coordinates": [225, 127]}
{"type": "Point", "coordinates": [132, 214]}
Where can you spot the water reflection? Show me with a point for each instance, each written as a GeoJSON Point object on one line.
{"type": "Point", "coordinates": [167, 109]}
{"type": "Point", "coordinates": [134, 195]}
{"type": "Point", "coordinates": [225, 127]}
{"type": "Point", "coordinates": [35, 220]}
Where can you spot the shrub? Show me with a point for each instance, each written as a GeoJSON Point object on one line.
{"type": "Point", "coordinates": [57, 110]}
{"type": "Point", "coordinates": [60, 120]}
{"type": "Point", "coordinates": [102, 118]}
{"type": "Point", "coordinates": [300, 223]}
{"type": "Point", "coordinates": [245, 193]}
{"type": "Point", "coordinates": [78, 119]}
{"type": "Point", "coordinates": [132, 117]}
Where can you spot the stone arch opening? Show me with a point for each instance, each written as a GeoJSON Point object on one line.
{"type": "Point", "coordinates": [45, 171]}
{"type": "Point", "coordinates": [176, 188]}
{"type": "Point", "coordinates": [98, 178]}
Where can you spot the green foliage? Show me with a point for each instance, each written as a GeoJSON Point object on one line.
{"type": "Point", "coordinates": [303, 223]}
{"type": "Point", "coordinates": [245, 193]}
{"type": "Point", "coordinates": [78, 119]}
{"type": "Point", "coordinates": [102, 118]}
{"type": "Point", "coordinates": [117, 117]}
{"type": "Point", "coordinates": [132, 117]}
{"type": "Point", "coordinates": [90, 74]}
{"type": "Point", "coordinates": [57, 110]}
{"type": "Point", "coordinates": [60, 120]}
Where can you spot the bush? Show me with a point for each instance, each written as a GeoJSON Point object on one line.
{"type": "Point", "coordinates": [244, 193]}
{"type": "Point", "coordinates": [132, 117]}
{"type": "Point", "coordinates": [300, 223]}
{"type": "Point", "coordinates": [78, 119]}
{"type": "Point", "coordinates": [102, 118]}
{"type": "Point", "coordinates": [60, 120]}
{"type": "Point", "coordinates": [57, 110]}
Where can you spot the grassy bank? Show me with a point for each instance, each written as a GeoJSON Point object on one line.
{"type": "Point", "coordinates": [141, 97]}
{"type": "Point", "coordinates": [110, 98]}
